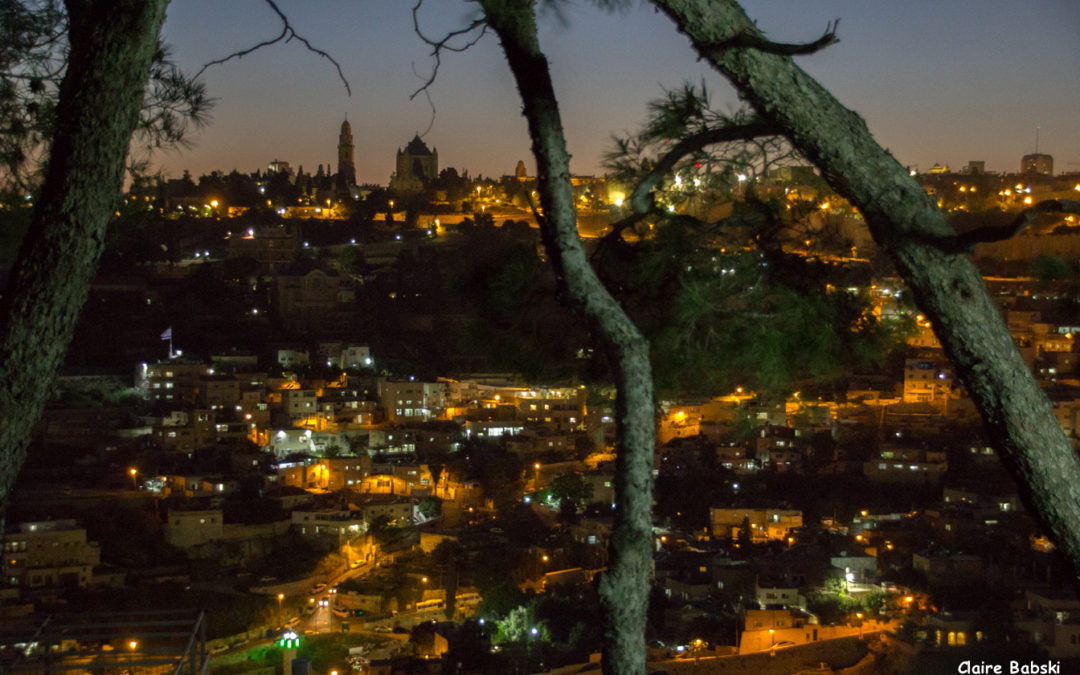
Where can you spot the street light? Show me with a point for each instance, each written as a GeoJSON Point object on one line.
{"type": "Point", "coordinates": [134, 477]}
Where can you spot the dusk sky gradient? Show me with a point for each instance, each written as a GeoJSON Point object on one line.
{"type": "Point", "coordinates": [943, 81]}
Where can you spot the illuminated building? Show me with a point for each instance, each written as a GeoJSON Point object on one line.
{"type": "Point", "coordinates": [50, 553]}
{"type": "Point", "coordinates": [1037, 163]}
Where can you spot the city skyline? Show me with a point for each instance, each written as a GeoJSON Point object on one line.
{"type": "Point", "coordinates": [918, 81]}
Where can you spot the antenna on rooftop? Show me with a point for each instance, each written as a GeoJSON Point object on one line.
{"type": "Point", "coordinates": [1037, 127]}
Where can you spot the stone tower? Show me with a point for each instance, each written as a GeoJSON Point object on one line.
{"type": "Point", "coordinates": [417, 165]}
{"type": "Point", "coordinates": [346, 168]}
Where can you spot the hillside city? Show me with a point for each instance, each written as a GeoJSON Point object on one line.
{"type": "Point", "coordinates": [354, 426]}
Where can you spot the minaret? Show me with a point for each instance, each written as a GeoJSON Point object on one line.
{"type": "Point", "coordinates": [345, 155]}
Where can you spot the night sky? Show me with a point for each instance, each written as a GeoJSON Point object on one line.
{"type": "Point", "coordinates": [938, 82]}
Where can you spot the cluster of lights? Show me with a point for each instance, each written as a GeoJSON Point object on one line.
{"type": "Point", "coordinates": [289, 640]}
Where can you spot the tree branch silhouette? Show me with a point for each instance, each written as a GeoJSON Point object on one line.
{"type": "Point", "coordinates": [990, 233]}
{"type": "Point", "coordinates": [288, 34]}
{"type": "Point", "coordinates": [437, 47]}
{"type": "Point", "coordinates": [754, 40]}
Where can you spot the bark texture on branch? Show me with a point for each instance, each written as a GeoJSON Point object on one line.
{"type": "Point", "coordinates": [112, 43]}
{"type": "Point", "coordinates": [624, 588]}
{"type": "Point", "coordinates": [907, 223]}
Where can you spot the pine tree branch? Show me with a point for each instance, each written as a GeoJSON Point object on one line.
{"type": "Point", "coordinates": [624, 588]}
{"type": "Point", "coordinates": [288, 34]}
{"type": "Point", "coordinates": [909, 226]}
{"type": "Point", "coordinates": [641, 198]}
{"type": "Point", "coordinates": [755, 40]}
{"type": "Point", "coordinates": [964, 242]}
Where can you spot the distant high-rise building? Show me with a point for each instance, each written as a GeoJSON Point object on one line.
{"type": "Point", "coordinates": [416, 165]}
{"type": "Point", "coordinates": [976, 167]}
{"type": "Point", "coordinates": [346, 168]}
{"type": "Point", "coordinates": [1037, 163]}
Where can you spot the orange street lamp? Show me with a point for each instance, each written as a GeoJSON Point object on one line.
{"type": "Point", "coordinates": [134, 476]}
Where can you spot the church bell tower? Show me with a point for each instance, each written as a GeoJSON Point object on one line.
{"type": "Point", "coordinates": [346, 168]}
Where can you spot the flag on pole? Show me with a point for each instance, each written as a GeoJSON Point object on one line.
{"type": "Point", "coordinates": [167, 335]}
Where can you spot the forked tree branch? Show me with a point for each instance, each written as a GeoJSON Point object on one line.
{"type": "Point", "coordinates": [288, 34]}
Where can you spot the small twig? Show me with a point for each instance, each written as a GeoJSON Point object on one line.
{"type": "Point", "coordinates": [752, 39]}
{"type": "Point", "coordinates": [437, 46]}
{"type": "Point", "coordinates": [535, 211]}
{"type": "Point", "coordinates": [288, 34]}
{"type": "Point", "coordinates": [963, 242]}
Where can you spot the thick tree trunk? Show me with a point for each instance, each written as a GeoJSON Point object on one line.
{"type": "Point", "coordinates": [112, 43]}
{"type": "Point", "coordinates": [624, 589]}
{"type": "Point", "coordinates": [906, 223]}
